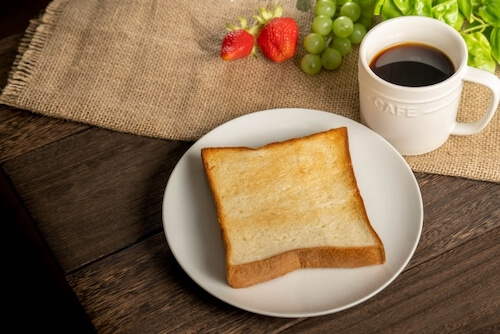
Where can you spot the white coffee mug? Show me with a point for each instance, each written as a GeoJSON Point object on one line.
{"type": "Point", "coordinates": [417, 120]}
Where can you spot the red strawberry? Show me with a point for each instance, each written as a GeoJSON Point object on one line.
{"type": "Point", "coordinates": [237, 44]}
{"type": "Point", "coordinates": [278, 38]}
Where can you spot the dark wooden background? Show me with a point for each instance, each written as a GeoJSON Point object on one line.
{"type": "Point", "coordinates": [84, 247]}
{"type": "Point", "coordinates": [37, 294]}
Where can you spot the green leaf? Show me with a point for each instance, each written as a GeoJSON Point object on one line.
{"type": "Point", "coordinates": [390, 10]}
{"type": "Point", "coordinates": [479, 50]}
{"type": "Point", "coordinates": [475, 5]}
{"type": "Point", "coordinates": [378, 7]}
{"type": "Point", "coordinates": [447, 11]}
{"type": "Point", "coordinates": [465, 7]}
{"type": "Point", "coordinates": [495, 44]}
{"type": "Point", "coordinates": [421, 8]}
{"type": "Point", "coordinates": [403, 5]}
{"type": "Point", "coordinates": [303, 5]}
{"type": "Point", "coordinates": [490, 12]}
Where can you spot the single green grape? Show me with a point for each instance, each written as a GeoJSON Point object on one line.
{"type": "Point", "coordinates": [358, 33]}
{"type": "Point", "coordinates": [341, 44]}
{"type": "Point", "coordinates": [322, 25]}
{"type": "Point", "coordinates": [314, 43]}
{"type": "Point", "coordinates": [331, 58]}
{"type": "Point", "coordinates": [351, 9]}
{"type": "Point", "coordinates": [327, 8]}
{"type": "Point", "coordinates": [342, 26]}
{"type": "Point", "coordinates": [311, 64]}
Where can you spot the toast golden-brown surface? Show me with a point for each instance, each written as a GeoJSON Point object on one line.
{"type": "Point", "coordinates": [290, 205]}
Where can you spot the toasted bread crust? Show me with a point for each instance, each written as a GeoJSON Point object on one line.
{"type": "Point", "coordinates": [252, 272]}
{"type": "Point", "coordinates": [248, 274]}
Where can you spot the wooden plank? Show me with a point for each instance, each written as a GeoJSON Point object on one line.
{"type": "Point", "coordinates": [95, 192]}
{"type": "Point", "coordinates": [201, 305]}
{"type": "Point", "coordinates": [37, 288]}
{"type": "Point", "coordinates": [8, 52]}
{"type": "Point", "coordinates": [142, 289]}
{"type": "Point", "coordinates": [23, 131]}
{"type": "Point", "coordinates": [86, 169]}
{"type": "Point", "coordinates": [457, 292]}
{"type": "Point", "coordinates": [455, 210]}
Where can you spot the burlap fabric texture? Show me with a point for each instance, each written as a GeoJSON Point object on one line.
{"type": "Point", "coordinates": [152, 68]}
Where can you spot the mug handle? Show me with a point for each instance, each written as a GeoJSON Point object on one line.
{"type": "Point", "coordinates": [492, 82]}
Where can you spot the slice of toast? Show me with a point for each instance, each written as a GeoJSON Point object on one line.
{"type": "Point", "coordinates": [290, 205]}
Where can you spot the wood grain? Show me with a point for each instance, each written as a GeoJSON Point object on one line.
{"type": "Point", "coordinates": [455, 210]}
{"type": "Point", "coordinates": [36, 286]}
{"type": "Point", "coordinates": [95, 192]}
{"type": "Point", "coordinates": [87, 167]}
{"type": "Point", "coordinates": [8, 52]}
{"type": "Point", "coordinates": [23, 131]}
{"type": "Point", "coordinates": [444, 281]}
{"type": "Point", "coordinates": [143, 289]}
{"type": "Point", "coordinates": [112, 247]}
{"type": "Point", "coordinates": [457, 292]}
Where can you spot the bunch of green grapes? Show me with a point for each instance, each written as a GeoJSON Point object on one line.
{"type": "Point", "coordinates": [337, 25]}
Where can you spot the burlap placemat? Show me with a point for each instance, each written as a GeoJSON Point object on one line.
{"type": "Point", "coordinates": [152, 68]}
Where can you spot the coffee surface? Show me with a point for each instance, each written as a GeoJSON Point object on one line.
{"type": "Point", "coordinates": [412, 65]}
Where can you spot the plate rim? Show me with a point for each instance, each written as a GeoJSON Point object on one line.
{"type": "Point", "coordinates": [296, 314]}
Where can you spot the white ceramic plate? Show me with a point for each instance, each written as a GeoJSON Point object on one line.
{"type": "Point", "coordinates": [388, 186]}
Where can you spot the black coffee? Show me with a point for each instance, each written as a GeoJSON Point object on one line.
{"type": "Point", "coordinates": [412, 65]}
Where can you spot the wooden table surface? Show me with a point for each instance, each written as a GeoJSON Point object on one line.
{"type": "Point", "coordinates": [85, 249]}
